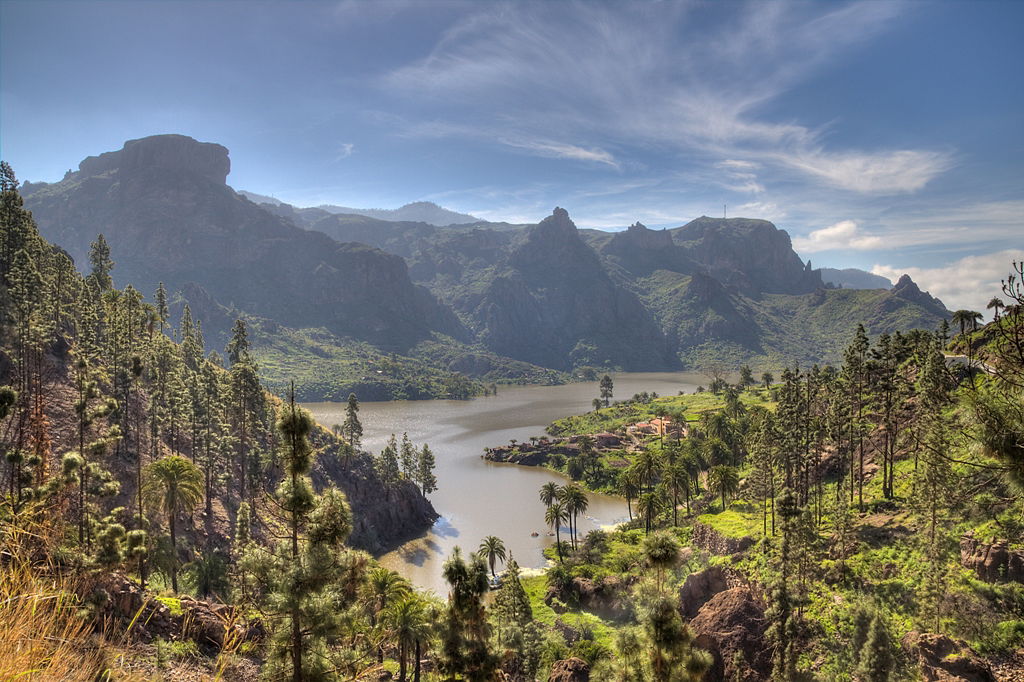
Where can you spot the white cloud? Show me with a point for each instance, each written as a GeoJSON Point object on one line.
{"type": "Point", "coordinates": [560, 150]}
{"type": "Point", "coordinates": [845, 234]}
{"type": "Point", "coordinates": [967, 283]}
{"type": "Point", "coordinates": [740, 176]}
{"type": "Point", "coordinates": [345, 150]}
{"type": "Point", "coordinates": [622, 75]}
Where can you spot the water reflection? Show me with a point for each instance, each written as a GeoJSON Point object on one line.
{"type": "Point", "coordinates": [477, 498]}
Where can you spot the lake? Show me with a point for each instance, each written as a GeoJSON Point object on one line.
{"type": "Point", "coordinates": [477, 498]}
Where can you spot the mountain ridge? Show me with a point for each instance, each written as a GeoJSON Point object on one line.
{"type": "Point", "coordinates": [549, 294]}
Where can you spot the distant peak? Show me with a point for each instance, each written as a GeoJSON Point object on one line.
{"type": "Point", "coordinates": [172, 152]}
{"type": "Point", "coordinates": [637, 226]}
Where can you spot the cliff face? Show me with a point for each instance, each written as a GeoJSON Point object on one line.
{"type": "Point", "coordinates": [555, 305]}
{"type": "Point", "coordinates": [168, 216]}
{"type": "Point", "coordinates": [752, 255]}
{"type": "Point", "coordinates": [382, 517]}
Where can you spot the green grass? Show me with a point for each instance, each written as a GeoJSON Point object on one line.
{"type": "Point", "coordinates": [733, 523]}
{"type": "Point", "coordinates": [536, 587]}
{"type": "Point", "coordinates": [691, 406]}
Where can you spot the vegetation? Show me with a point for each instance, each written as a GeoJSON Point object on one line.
{"type": "Point", "coordinates": [137, 472]}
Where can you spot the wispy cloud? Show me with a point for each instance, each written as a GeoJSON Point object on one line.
{"type": "Point", "coordinates": [560, 150]}
{"type": "Point", "coordinates": [841, 236]}
{"type": "Point", "coordinates": [345, 150]}
{"type": "Point", "coordinates": [576, 73]}
{"type": "Point", "coordinates": [968, 283]}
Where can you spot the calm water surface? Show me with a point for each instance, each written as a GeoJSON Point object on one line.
{"type": "Point", "coordinates": [478, 498]}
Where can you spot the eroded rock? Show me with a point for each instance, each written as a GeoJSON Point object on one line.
{"type": "Point", "coordinates": [941, 658]}
{"type": "Point", "coordinates": [994, 562]}
{"type": "Point", "coordinates": [732, 623]}
{"type": "Point", "coordinates": [570, 670]}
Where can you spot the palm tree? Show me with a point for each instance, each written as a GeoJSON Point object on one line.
{"type": "Point", "coordinates": [407, 620]}
{"type": "Point", "coordinates": [492, 548]}
{"type": "Point", "coordinates": [647, 507]}
{"type": "Point", "coordinates": [677, 480]}
{"type": "Point", "coordinates": [964, 318]}
{"type": "Point", "coordinates": [996, 303]}
{"type": "Point", "coordinates": [725, 480]}
{"type": "Point", "coordinates": [555, 516]}
{"type": "Point", "coordinates": [173, 484]}
{"type": "Point", "coordinates": [549, 493]}
{"type": "Point", "coordinates": [629, 487]}
{"type": "Point", "coordinates": [661, 551]}
{"type": "Point", "coordinates": [575, 501]}
{"type": "Point", "coordinates": [647, 466]}
{"type": "Point", "coordinates": [588, 454]}
{"type": "Point", "coordinates": [383, 587]}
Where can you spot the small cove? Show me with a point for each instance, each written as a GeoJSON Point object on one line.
{"type": "Point", "coordinates": [478, 498]}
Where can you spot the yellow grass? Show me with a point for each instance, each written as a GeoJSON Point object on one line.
{"type": "Point", "coordinates": [41, 635]}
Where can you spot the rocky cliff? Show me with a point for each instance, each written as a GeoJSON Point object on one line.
{"type": "Point", "coordinates": [555, 305]}
{"type": "Point", "coordinates": [163, 206]}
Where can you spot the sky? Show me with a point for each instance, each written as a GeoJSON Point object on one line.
{"type": "Point", "coordinates": [887, 136]}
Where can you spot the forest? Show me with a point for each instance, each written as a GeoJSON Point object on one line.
{"type": "Point", "coordinates": [165, 517]}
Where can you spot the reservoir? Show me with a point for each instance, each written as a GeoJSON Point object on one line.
{"type": "Point", "coordinates": [476, 498]}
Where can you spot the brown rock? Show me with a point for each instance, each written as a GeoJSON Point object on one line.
{"type": "Point", "coordinates": [943, 659]}
{"type": "Point", "coordinates": [570, 670]}
{"type": "Point", "coordinates": [994, 562]}
{"type": "Point", "coordinates": [732, 623]}
{"type": "Point", "coordinates": [700, 587]}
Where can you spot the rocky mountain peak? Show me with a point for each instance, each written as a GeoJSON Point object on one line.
{"type": "Point", "coordinates": [169, 152]}
{"type": "Point", "coordinates": [907, 289]}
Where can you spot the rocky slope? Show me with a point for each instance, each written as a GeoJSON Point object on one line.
{"type": "Point", "coordinates": [164, 207]}
{"type": "Point", "coordinates": [547, 294]}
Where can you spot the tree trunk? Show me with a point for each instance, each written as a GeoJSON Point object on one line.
{"type": "Point", "coordinates": [416, 665]}
{"type": "Point", "coordinates": [174, 547]}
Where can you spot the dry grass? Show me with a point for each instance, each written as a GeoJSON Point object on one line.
{"type": "Point", "coordinates": [42, 636]}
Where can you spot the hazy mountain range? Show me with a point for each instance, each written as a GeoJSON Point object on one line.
{"type": "Point", "coordinates": [345, 300]}
{"type": "Point", "coordinates": [417, 212]}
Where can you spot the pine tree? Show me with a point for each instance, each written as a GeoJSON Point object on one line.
{"type": "Point", "coordinates": [425, 477]}
{"type": "Point", "coordinates": [99, 258]}
{"type": "Point", "coordinates": [388, 468]}
{"type": "Point", "coordinates": [351, 427]}
{"type": "Point", "coordinates": [606, 388]}
{"type": "Point", "coordinates": [876, 656]}
{"type": "Point", "coordinates": [408, 458]}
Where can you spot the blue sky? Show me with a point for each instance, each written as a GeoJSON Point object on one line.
{"type": "Point", "coordinates": [882, 135]}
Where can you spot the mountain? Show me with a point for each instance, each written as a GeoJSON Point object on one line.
{"type": "Point", "coordinates": [397, 308]}
{"type": "Point", "coordinates": [416, 212]}
{"type": "Point", "coordinates": [164, 207]}
{"type": "Point", "coordinates": [852, 278]}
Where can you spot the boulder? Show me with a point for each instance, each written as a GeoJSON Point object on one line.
{"type": "Point", "coordinates": [732, 623]}
{"type": "Point", "coordinates": [570, 670]}
{"type": "Point", "coordinates": [994, 562]}
{"type": "Point", "coordinates": [700, 587]}
{"type": "Point", "coordinates": [941, 658]}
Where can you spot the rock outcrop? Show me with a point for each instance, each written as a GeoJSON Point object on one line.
{"type": "Point", "coordinates": [731, 625]}
{"type": "Point", "coordinates": [993, 562]}
{"type": "Point", "coordinates": [162, 204]}
{"type": "Point", "coordinates": [382, 516]}
{"type": "Point", "coordinates": [555, 305]}
{"type": "Point", "coordinates": [607, 597]}
{"type": "Point", "coordinates": [942, 659]}
{"type": "Point", "coordinates": [570, 670]}
{"type": "Point", "coordinates": [707, 538]}
{"type": "Point", "coordinates": [700, 587]}
{"type": "Point", "coordinates": [205, 623]}
{"type": "Point", "coordinates": [752, 255]}
{"type": "Point", "coordinates": [166, 152]}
